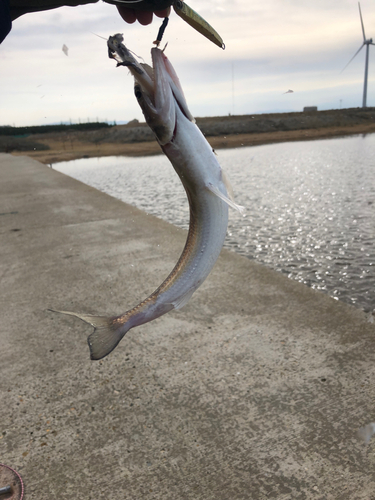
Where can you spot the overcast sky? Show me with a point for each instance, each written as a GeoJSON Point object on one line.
{"type": "Point", "coordinates": [271, 46]}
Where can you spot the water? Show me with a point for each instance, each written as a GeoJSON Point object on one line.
{"type": "Point", "coordinates": [310, 206]}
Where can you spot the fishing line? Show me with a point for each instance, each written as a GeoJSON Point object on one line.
{"type": "Point", "coordinates": [161, 31]}
{"type": "Point", "coordinates": [98, 35]}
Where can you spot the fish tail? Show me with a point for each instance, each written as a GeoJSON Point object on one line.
{"type": "Point", "coordinates": [106, 335]}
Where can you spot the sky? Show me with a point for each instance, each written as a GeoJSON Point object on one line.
{"type": "Point", "coordinates": [271, 46]}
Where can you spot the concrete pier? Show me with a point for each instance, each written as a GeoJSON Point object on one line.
{"type": "Point", "coordinates": [254, 390]}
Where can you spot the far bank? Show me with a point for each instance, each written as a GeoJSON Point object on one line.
{"type": "Point", "coordinates": [136, 139]}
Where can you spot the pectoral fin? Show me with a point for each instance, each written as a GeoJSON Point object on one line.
{"type": "Point", "coordinates": [216, 191]}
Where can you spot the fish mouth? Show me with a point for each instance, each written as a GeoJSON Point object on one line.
{"type": "Point", "coordinates": [160, 105]}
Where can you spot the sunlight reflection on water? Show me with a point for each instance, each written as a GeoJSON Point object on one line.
{"type": "Point", "coordinates": [309, 206]}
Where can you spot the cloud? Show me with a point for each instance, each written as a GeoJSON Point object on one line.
{"type": "Point", "coordinates": [270, 47]}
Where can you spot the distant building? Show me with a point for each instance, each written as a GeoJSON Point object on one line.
{"type": "Point", "coordinates": [306, 109]}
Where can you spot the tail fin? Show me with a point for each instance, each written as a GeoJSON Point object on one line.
{"type": "Point", "coordinates": [106, 335]}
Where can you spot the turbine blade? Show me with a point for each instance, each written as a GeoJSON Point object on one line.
{"type": "Point", "coordinates": [360, 48]}
{"type": "Point", "coordinates": [363, 28]}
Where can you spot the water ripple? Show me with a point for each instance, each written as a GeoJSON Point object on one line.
{"type": "Point", "coordinates": [309, 207]}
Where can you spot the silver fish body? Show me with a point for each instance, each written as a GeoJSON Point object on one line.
{"type": "Point", "coordinates": [162, 101]}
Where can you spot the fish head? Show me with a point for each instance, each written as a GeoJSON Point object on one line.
{"type": "Point", "coordinates": [159, 100]}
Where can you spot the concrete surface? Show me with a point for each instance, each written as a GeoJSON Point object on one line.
{"type": "Point", "coordinates": [255, 390]}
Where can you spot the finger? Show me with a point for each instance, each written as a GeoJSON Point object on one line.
{"type": "Point", "coordinates": [163, 13]}
{"type": "Point", "coordinates": [128, 15]}
{"type": "Point", "coordinates": [144, 17]}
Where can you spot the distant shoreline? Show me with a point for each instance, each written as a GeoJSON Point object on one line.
{"type": "Point", "coordinates": [136, 139]}
{"type": "Point", "coordinates": [61, 151]}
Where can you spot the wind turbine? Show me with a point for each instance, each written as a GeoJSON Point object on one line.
{"type": "Point", "coordinates": [366, 42]}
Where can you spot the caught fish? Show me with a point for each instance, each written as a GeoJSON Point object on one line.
{"type": "Point", "coordinates": [162, 101]}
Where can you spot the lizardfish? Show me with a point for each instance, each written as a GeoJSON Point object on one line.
{"type": "Point", "coordinates": [162, 100]}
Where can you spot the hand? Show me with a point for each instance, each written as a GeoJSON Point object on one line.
{"type": "Point", "coordinates": [20, 7]}
{"type": "Point", "coordinates": [144, 17]}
